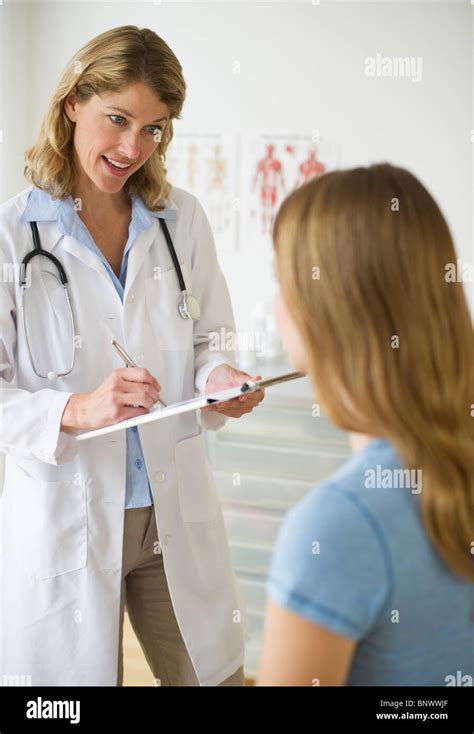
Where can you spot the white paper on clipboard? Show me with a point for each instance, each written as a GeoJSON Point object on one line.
{"type": "Point", "coordinates": [158, 413]}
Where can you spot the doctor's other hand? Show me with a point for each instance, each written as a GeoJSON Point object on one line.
{"type": "Point", "coordinates": [222, 378]}
{"type": "Point", "coordinates": [126, 393]}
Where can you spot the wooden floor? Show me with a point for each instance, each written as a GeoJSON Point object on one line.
{"type": "Point", "coordinates": [135, 668]}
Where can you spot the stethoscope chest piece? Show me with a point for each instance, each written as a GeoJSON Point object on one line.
{"type": "Point", "coordinates": [189, 307]}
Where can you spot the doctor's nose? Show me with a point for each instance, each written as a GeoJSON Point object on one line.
{"type": "Point", "coordinates": [129, 149]}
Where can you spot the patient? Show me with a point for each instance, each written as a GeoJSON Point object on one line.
{"type": "Point", "coordinates": [371, 581]}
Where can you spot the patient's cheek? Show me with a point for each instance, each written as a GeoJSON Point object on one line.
{"type": "Point", "coordinates": [289, 334]}
{"type": "Point", "coordinates": [297, 355]}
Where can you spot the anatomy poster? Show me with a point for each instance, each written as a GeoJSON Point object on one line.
{"type": "Point", "coordinates": [205, 164]}
{"type": "Point", "coordinates": [271, 167]}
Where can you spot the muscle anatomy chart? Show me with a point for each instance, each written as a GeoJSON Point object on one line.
{"type": "Point", "coordinates": [272, 167]}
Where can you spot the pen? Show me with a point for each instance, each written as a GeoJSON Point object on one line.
{"type": "Point", "coordinates": [130, 363]}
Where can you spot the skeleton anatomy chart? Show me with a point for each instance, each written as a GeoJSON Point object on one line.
{"type": "Point", "coordinates": [206, 165]}
{"type": "Point", "coordinates": [242, 180]}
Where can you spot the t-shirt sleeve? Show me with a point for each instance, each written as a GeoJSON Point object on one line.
{"type": "Point", "coordinates": [330, 563]}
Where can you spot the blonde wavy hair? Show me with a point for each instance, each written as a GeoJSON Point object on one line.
{"type": "Point", "coordinates": [382, 247]}
{"type": "Point", "coordinates": [108, 63]}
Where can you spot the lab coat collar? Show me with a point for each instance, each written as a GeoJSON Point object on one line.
{"type": "Point", "coordinates": [61, 224]}
{"type": "Point", "coordinates": [41, 207]}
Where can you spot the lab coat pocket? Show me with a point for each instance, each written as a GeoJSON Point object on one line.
{"type": "Point", "coordinates": [55, 525]}
{"type": "Point", "coordinates": [163, 297]}
{"type": "Point", "coordinates": [196, 484]}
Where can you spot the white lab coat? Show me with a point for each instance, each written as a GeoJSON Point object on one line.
{"type": "Point", "coordinates": [63, 501]}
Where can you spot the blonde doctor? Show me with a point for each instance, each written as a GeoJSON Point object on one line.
{"type": "Point", "coordinates": [131, 519]}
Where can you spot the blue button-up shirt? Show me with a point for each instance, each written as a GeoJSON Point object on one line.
{"type": "Point", "coordinates": [41, 207]}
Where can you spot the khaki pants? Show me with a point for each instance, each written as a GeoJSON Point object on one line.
{"type": "Point", "coordinates": [145, 593]}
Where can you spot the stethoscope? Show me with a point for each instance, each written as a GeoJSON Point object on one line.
{"type": "Point", "coordinates": [188, 308]}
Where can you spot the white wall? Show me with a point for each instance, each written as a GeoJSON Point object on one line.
{"type": "Point", "coordinates": [302, 67]}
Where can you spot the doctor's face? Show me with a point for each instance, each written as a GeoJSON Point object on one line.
{"type": "Point", "coordinates": [124, 127]}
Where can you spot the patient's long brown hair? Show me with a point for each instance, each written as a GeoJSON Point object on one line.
{"type": "Point", "coordinates": [388, 336]}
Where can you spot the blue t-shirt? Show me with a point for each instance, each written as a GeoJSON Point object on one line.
{"type": "Point", "coordinates": [353, 556]}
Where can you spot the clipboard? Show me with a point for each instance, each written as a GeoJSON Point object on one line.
{"type": "Point", "coordinates": [158, 413]}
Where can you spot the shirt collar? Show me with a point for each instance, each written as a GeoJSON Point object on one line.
{"type": "Point", "coordinates": [41, 207]}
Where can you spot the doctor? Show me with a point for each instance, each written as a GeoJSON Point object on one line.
{"type": "Point", "coordinates": [130, 518]}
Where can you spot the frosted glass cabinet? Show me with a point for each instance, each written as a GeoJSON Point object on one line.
{"type": "Point", "coordinates": [263, 464]}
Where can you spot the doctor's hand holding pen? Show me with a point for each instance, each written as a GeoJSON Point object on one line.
{"type": "Point", "coordinates": [126, 393]}
{"type": "Point", "coordinates": [132, 391]}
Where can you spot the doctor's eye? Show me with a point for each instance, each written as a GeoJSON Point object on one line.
{"type": "Point", "coordinates": [114, 119]}
{"type": "Point", "coordinates": [119, 120]}
{"type": "Point", "coordinates": [155, 129]}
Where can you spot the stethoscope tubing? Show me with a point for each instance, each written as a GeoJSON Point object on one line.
{"type": "Point", "coordinates": [184, 308]}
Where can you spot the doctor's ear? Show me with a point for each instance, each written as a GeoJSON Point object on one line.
{"type": "Point", "coordinates": [70, 106]}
